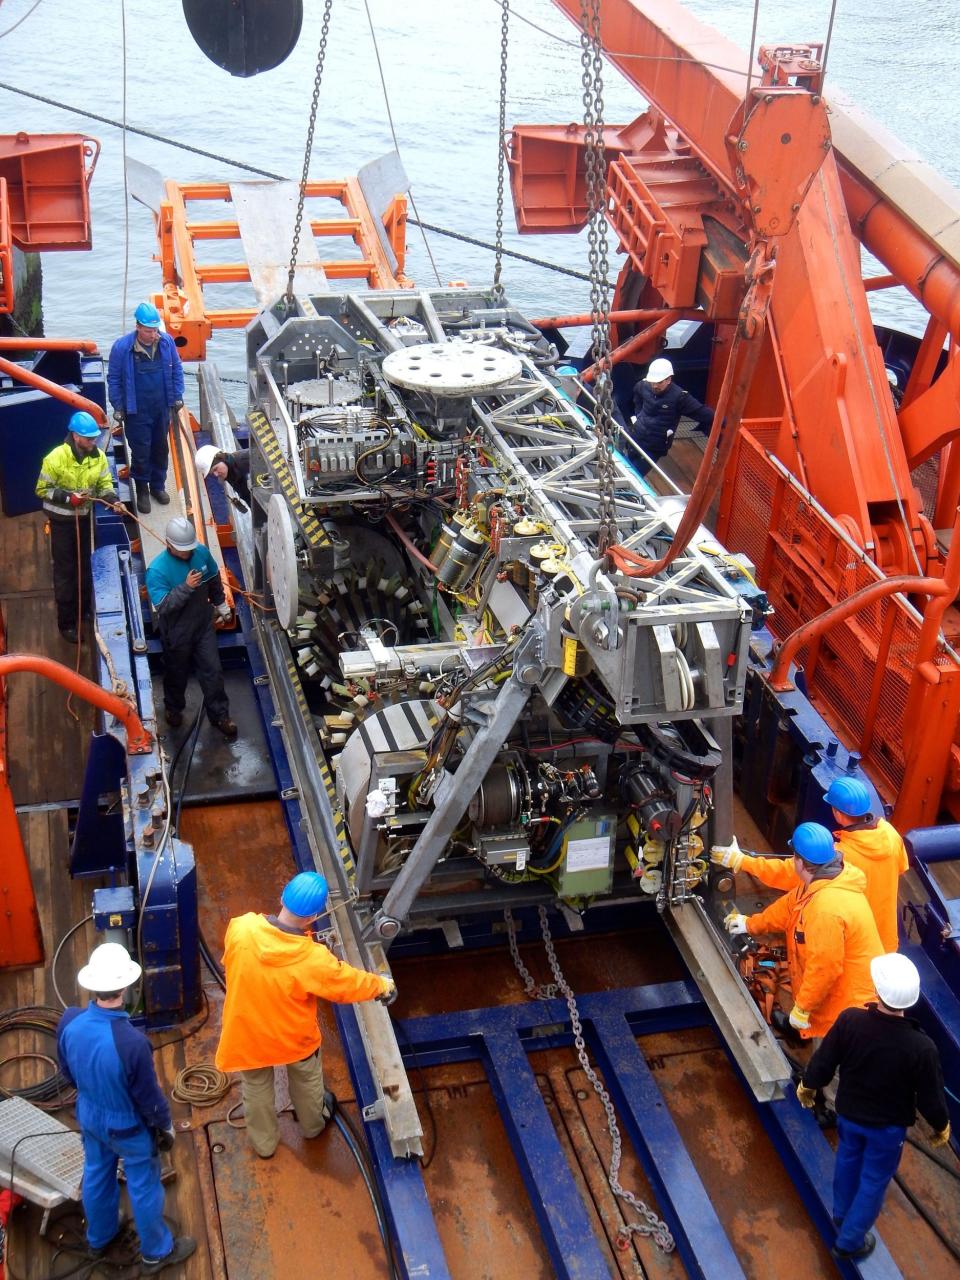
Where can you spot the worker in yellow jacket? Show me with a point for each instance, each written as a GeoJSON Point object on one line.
{"type": "Point", "coordinates": [829, 929]}
{"type": "Point", "coordinates": [275, 973]}
{"type": "Point", "coordinates": [71, 476]}
{"type": "Point", "coordinates": [870, 844]}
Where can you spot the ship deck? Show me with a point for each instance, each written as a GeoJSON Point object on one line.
{"type": "Point", "coordinates": [257, 1219]}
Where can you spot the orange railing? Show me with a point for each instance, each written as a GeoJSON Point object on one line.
{"type": "Point", "coordinates": [866, 675]}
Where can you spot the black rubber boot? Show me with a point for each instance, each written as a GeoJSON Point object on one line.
{"type": "Point", "coordinates": [143, 499]}
{"type": "Point", "coordinates": [160, 495]}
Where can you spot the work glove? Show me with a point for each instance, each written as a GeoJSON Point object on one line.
{"type": "Point", "coordinates": [164, 1138]}
{"type": "Point", "coordinates": [728, 855]}
{"type": "Point", "coordinates": [735, 923]}
{"type": "Point", "coordinates": [806, 1097]}
{"type": "Point", "coordinates": [76, 499]}
{"type": "Point", "coordinates": [224, 611]}
{"type": "Point", "coordinates": [118, 417]}
{"type": "Point", "coordinates": [177, 406]}
{"type": "Point", "coordinates": [942, 1138]}
{"type": "Point", "coordinates": [799, 1019]}
{"type": "Point", "coordinates": [389, 992]}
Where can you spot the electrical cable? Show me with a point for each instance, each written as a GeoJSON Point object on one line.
{"type": "Point", "coordinates": [353, 1141]}
{"type": "Point", "coordinates": [927, 1217]}
{"type": "Point", "coordinates": [55, 1091]}
{"type": "Point", "coordinates": [56, 955]}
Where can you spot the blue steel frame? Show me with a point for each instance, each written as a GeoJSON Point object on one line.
{"type": "Point", "coordinates": [501, 1038]}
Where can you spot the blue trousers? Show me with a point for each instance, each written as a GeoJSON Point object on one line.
{"type": "Point", "coordinates": [867, 1159]}
{"type": "Point", "coordinates": [101, 1192]}
{"type": "Point", "coordinates": [147, 438]}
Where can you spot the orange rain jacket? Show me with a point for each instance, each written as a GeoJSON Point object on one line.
{"type": "Point", "coordinates": [831, 938]}
{"type": "Point", "coordinates": [273, 981]}
{"type": "Point", "coordinates": [876, 848]}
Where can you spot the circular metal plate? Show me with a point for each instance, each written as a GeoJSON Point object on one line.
{"type": "Point", "coordinates": [282, 561]}
{"type": "Point", "coordinates": [452, 368]}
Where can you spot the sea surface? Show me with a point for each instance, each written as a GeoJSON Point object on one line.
{"type": "Point", "coordinates": [441, 61]}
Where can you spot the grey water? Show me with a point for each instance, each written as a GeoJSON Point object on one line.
{"type": "Point", "coordinates": [441, 64]}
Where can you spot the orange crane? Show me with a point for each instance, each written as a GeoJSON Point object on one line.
{"type": "Point", "coordinates": [818, 488]}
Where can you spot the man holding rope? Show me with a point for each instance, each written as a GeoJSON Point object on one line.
{"type": "Point", "coordinates": [71, 476]}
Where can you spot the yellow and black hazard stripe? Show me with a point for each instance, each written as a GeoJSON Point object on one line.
{"type": "Point", "coordinates": [265, 436]}
{"type": "Point", "coordinates": [339, 825]}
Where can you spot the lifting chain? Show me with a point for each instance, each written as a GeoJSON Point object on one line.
{"type": "Point", "coordinates": [596, 179]}
{"type": "Point", "coordinates": [298, 224]}
{"type": "Point", "coordinates": [648, 1224]}
{"type": "Point", "coordinates": [498, 291]}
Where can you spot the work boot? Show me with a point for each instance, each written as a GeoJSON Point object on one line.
{"type": "Point", "coordinates": [143, 499]}
{"type": "Point", "coordinates": [227, 727]}
{"type": "Point", "coordinates": [182, 1249]}
{"type": "Point", "coordinates": [857, 1255]}
{"type": "Point", "coordinates": [173, 718]}
{"type": "Point", "coordinates": [160, 495]}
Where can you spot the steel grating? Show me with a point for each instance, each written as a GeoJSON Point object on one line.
{"type": "Point", "coordinates": [34, 1141]}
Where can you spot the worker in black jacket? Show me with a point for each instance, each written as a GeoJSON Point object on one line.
{"type": "Point", "coordinates": [659, 404]}
{"type": "Point", "coordinates": [889, 1070]}
{"type": "Point", "coordinates": [231, 469]}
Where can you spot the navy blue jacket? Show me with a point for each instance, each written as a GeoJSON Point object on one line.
{"type": "Point", "coordinates": [111, 1064]}
{"type": "Point", "coordinates": [121, 379]}
{"type": "Point", "coordinates": [658, 416]}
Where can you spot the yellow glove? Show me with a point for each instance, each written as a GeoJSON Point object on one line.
{"type": "Point", "coordinates": [799, 1018]}
{"type": "Point", "coordinates": [728, 855]}
{"type": "Point", "coordinates": [389, 992]}
{"type": "Point", "coordinates": [805, 1096]}
{"type": "Point", "coordinates": [735, 923]}
{"type": "Point", "coordinates": [942, 1138]}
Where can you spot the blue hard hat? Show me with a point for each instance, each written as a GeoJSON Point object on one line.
{"type": "Point", "coordinates": [813, 844]}
{"type": "Point", "coordinates": [84, 424]}
{"type": "Point", "coordinates": [147, 315]}
{"type": "Point", "coordinates": [850, 796]}
{"type": "Point", "coordinates": [306, 894]}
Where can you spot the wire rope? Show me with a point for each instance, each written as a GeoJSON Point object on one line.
{"type": "Point", "coordinates": [20, 21]}
{"type": "Point", "coordinates": [126, 189]}
{"type": "Point", "coordinates": [396, 144]}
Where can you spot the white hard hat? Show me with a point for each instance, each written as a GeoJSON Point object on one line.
{"type": "Point", "coordinates": [204, 458]}
{"type": "Point", "coordinates": [180, 534]}
{"type": "Point", "coordinates": [896, 979]}
{"type": "Point", "coordinates": [110, 969]}
{"type": "Point", "coordinates": [659, 370]}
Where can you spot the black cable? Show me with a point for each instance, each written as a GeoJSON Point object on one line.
{"type": "Point", "coordinates": [927, 1217]}
{"type": "Point", "coordinates": [353, 1141]}
{"type": "Point", "coordinates": [56, 1091]}
{"type": "Point", "coordinates": [935, 1157]}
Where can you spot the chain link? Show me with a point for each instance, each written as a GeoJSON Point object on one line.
{"type": "Point", "coordinates": [498, 291]}
{"type": "Point", "coordinates": [591, 61]}
{"type": "Point", "coordinates": [298, 224]}
{"type": "Point", "coordinates": [649, 1224]}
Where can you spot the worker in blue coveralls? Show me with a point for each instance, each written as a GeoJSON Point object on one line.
{"type": "Point", "coordinates": [658, 405]}
{"type": "Point", "coordinates": [182, 583]}
{"type": "Point", "coordinates": [145, 381]}
{"type": "Point", "coordinates": [121, 1112]}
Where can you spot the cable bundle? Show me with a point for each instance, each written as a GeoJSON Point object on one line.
{"type": "Point", "coordinates": [55, 1091]}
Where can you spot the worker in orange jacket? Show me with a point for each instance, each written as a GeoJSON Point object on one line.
{"type": "Point", "coordinates": [830, 933]}
{"type": "Point", "coordinates": [874, 846]}
{"type": "Point", "coordinates": [868, 843]}
{"type": "Point", "coordinates": [275, 973]}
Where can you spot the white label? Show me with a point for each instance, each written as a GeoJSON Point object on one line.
{"type": "Point", "coordinates": [588, 855]}
{"type": "Point", "coordinates": [521, 859]}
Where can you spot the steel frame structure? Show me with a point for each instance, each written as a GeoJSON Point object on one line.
{"type": "Point", "coordinates": [689, 192]}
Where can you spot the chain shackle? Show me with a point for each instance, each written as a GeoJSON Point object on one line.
{"type": "Point", "coordinates": [314, 101]}
{"type": "Point", "coordinates": [498, 291]}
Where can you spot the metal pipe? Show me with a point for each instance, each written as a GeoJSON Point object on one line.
{"type": "Point", "coordinates": [619, 317]}
{"type": "Point", "coordinates": [138, 637]}
{"type": "Point", "coordinates": [86, 345]}
{"type": "Point", "coordinates": [139, 740]}
{"type": "Point", "coordinates": [73, 398]}
{"type": "Point", "coordinates": [779, 680]}
{"type": "Point", "coordinates": [626, 349]}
